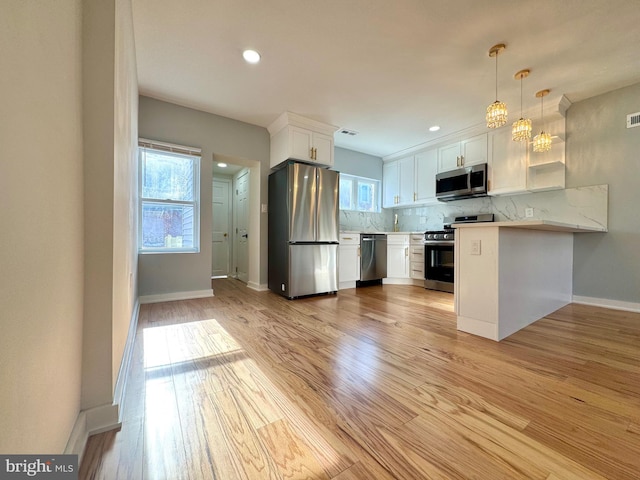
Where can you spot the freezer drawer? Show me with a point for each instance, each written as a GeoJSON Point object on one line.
{"type": "Point", "coordinates": [313, 269]}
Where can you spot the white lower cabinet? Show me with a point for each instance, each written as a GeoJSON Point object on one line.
{"type": "Point", "coordinates": [397, 258]}
{"type": "Point", "coordinates": [416, 256]}
{"type": "Point", "coordinates": [348, 260]}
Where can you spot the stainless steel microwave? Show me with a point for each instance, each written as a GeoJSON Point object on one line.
{"type": "Point", "coordinates": [462, 183]}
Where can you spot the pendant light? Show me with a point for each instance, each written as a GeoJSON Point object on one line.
{"type": "Point", "coordinates": [521, 129]}
{"type": "Point", "coordinates": [497, 111]}
{"type": "Point", "coordinates": [542, 141]}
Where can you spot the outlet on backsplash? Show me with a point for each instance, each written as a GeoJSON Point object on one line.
{"type": "Point", "coordinates": [528, 212]}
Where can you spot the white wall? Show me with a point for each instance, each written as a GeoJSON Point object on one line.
{"type": "Point", "coordinates": [600, 149]}
{"type": "Point", "coordinates": [41, 211]}
{"type": "Point", "coordinates": [110, 144]}
{"type": "Point", "coordinates": [219, 136]}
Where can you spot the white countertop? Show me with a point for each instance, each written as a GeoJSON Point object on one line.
{"type": "Point", "coordinates": [358, 232]}
{"type": "Point", "coordinates": [534, 225]}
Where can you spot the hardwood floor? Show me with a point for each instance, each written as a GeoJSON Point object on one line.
{"type": "Point", "coordinates": [372, 383]}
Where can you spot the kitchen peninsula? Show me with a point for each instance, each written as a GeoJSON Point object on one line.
{"type": "Point", "coordinates": [510, 274]}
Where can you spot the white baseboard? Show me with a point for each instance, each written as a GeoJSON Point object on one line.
{"type": "Point", "coordinates": [260, 287]}
{"type": "Point", "coordinates": [90, 422]}
{"type": "Point", "coordinates": [168, 297]}
{"type": "Point", "coordinates": [123, 374]}
{"type": "Point", "coordinates": [78, 438]}
{"type": "Point", "coordinates": [607, 303]}
{"type": "Point", "coordinates": [345, 285]}
{"type": "Point", "coordinates": [398, 281]}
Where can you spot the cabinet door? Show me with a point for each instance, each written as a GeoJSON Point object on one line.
{"type": "Point", "coordinates": [508, 163]}
{"type": "Point", "coordinates": [390, 184]}
{"type": "Point", "coordinates": [300, 142]}
{"type": "Point", "coordinates": [474, 150]}
{"type": "Point", "coordinates": [426, 169]}
{"type": "Point", "coordinates": [397, 261]}
{"type": "Point", "coordinates": [406, 181]}
{"type": "Point", "coordinates": [449, 157]}
{"type": "Point", "coordinates": [324, 149]}
{"type": "Point", "coordinates": [349, 264]}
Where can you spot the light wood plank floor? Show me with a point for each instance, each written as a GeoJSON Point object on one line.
{"type": "Point", "coordinates": [372, 383]}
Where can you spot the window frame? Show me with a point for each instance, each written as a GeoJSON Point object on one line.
{"type": "Point", "coordinates": [356, 182]}
{"type": "Point", "coordinates": [195, 155]}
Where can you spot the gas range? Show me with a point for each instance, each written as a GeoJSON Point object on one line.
{"type": "Point", "coordinates": [447, 234]}
{"type": "Point", "coordinates": [438, 252]}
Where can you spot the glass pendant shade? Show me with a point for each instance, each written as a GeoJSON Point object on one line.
{"type": "Point", "coordinates": [497, 111]}
{"type": "Point", "coordinates": [521, 130]}
{"type": "Point", "coordinates": [542, 142]}
{"type": "Point", "coordinates": [496, 114]}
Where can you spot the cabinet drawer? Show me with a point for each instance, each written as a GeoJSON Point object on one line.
{"type": "Point", "coordinates": [350, 238]}
{"type": "Point", "coordinates": [417, 238]}
{"type": "Point", "coordinates": [397, 239]}
{"type": "Point", "coordinates": [417, 252]}
{"type": "Point", "coordinates": [417, 270]}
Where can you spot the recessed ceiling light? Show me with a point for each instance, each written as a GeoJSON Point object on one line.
{"type": "Point", "coordinates": [251, 56]}
{"type": "Point", "coordinates": [435, 128]}
{"type": "Point", "coordinates": [222, 165]}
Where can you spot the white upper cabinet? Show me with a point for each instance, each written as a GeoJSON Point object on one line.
{"type": "Point", "coordinates": [465, 153]}
{"type": "Point", "coordinates": [410, 180]}
{"type": "Point", "coordinates": [390, 184]}
{"type": "Point", "coordinates": [426, 169]}
{"type": "Point", "coordinates": [298, 138]}
{"type": "Point", "coordinates": [407, 180]}
{"type": "Point", "coordinates": [507, 163]}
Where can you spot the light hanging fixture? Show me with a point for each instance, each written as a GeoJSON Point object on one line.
{"type": "Point", "coordinates": [497, 111]}
{"type": "Point", "coordinates": [542, 141]}
{"type": "Point", "coordinates": [521, 129]}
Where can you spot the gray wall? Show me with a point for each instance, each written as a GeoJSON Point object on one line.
{"type": "Point", "coordinates": [600, 149]}
{"type": "Point", "coordinates": [356, 163]}
{"type": "Point", "coordinates": [158, 120]}
{"type": "Point", "coordinates": [362, 165]}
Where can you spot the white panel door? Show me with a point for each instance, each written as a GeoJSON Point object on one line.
{"type": "Point", "coordinates": [221, 211]}
{"type": "Point", "coordinates": [242, 226]}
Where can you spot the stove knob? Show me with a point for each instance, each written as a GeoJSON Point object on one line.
{"type": "Point", "coordinates": [429, 236]}
{"type": "Point", "coordinates": [448, 236]}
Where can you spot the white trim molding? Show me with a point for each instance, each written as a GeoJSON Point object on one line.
{"type": "Point", "coordinates": [607, 303]}
{"type": "Point", "coordinates": [259, 287]}
{"type": "Point", "coordinates": [123, 374]}
{"type": "Point", "coordinates": [169, 297]}
{"type": "Point", "coordinates": [90, 422]}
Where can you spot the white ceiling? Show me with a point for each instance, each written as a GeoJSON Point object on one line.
{"type": "Point", "coordinates": [388, 69]}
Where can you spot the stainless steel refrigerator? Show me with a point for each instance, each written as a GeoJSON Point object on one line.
{"type": "Point", "coordinates": [303, 230]}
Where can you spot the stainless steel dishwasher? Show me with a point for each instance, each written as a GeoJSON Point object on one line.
{"type": "Point", "coordinates": [373, 256]}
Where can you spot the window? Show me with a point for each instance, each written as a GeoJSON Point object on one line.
{"type": "Point", "coordinates": [168, 186]}
{"type": "Point", "coordinates": [359, 193]}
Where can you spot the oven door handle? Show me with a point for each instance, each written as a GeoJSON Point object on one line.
{"type": "Point", "coordinates": [444, 243]}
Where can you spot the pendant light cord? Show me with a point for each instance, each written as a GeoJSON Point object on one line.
{"type": "Point", "coordinates": [496, 76]}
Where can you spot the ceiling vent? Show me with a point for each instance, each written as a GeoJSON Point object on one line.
{"type": "Point", "coordinates": [633, 120]}
{"type": "Point", "coordinates": [351, 133]}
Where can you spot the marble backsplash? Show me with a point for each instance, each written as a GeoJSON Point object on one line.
{"type": "Point", "coordinates": [585, 206]}
{"type": "Point", "coordinates": [367, 222]}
